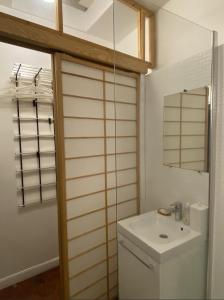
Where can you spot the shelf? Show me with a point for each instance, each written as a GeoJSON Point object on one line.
{"type": "Point", "coordinates": [44, 136]}
{"type": "Point", "coordinates": [35, 170]}
{"type": "Point", "coordinates": [34, 153]}
{"type": "Point", "coordinates": [38, 203]}
{"type": "Point", "coordinates": [33, 119]}
{"type": "Point", "coordinates": [30, 100]}
{"type": "Point", "coordinates": [35, 187]}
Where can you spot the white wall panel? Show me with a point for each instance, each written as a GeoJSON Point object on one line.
{"type": "Point", "coordinates": [82, 70]}
{"type": "Point", "coordinates": [120, 93]}
{"type": "Point", "coordinates": [83, 128]}
{"type": "Point", "coordinates": [84, 166]}
{"type": "Point", "coordinates": [87, 260]}
{"type": "Point", "coordinates": [122, 128]}
{"type": "Point", "coordinates": [83, 186]}
{"type": "Point", "coordinates": [84, 205]}
{"type": "Point", "coordinates": [113, 264]}
{"type": "Point", "coordinates": [73, 85]}
{"type": "Point", "coordinates": [84, 147]}
{"type": "Point", "coordinates": [85, 224]}
{"type": "Point", "coordinates": [112, 231]}
{"type": "Point", "coordinates": [121, 79]}
{"type": "Point", "coordinates": [84, 108]}
{"type": "Point", "coordinates": [86, 279]}
{"type": "Point", "coordinates": [121, 161]}
{"type": "Point", "coordinates": [95, 291]}
{"type": "Point", "coordinates": [112, 247]}
{"type": "Point", "coordinates": [127, 144]}
{"type": "Point", "coordinates": [86, 242]}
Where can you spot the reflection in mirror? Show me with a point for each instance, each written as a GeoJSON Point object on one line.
{"type": "Point", "coordinates": [185, 140]}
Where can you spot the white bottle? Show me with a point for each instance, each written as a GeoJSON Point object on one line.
{"type": "Point", "coordinates": [186, 214]}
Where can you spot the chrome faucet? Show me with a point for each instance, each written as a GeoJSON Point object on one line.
{"type": "Point", "coordinates": [177, 208]}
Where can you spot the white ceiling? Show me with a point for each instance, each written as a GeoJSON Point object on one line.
{"type": "Point", "coordinates": [152, 4]}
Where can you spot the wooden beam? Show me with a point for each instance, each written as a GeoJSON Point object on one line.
{"type": "Point", "coordinates": [24, 33]}
{"type": "Point", "coordinates": [59, 15]}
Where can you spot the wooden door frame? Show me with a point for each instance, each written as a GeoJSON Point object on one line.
{"type": "Point", "coordinates": [60, 176]}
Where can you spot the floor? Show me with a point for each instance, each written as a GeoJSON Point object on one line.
{"type": "Point", "coordinates": [44, 286]}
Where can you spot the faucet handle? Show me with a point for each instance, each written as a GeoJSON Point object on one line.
{"type": "Point", "coordinates": [176, 204]}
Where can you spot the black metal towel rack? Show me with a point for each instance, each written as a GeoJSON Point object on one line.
{"type": "Point", "coordinates": [38, 136]}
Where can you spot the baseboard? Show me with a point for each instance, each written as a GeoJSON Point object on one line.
{"type": "Point", "coordinates": [28, 273]}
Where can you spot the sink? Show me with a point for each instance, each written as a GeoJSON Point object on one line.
{"type": "Point", "coordinates": [159, 229]}
{"type": "Point", "coordinates": [159, 236]}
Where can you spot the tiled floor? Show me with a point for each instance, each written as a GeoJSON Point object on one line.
{"type": "Point", "coordinates": [41, 287]}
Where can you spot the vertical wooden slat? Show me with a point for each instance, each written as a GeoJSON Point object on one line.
{"type": "Point", "coordinates": [141, 34]}
{"type": "Point", "coordinates": [206, 145]}
{"type": "Point", "coordinates": [152, 40]}
{"type": "Point", "coordinates": [59, 16]}
{"type": "Point", "coordinates": [181, 111]}
{"type": "Point", "coordinates": [106, 185]}
{"type": "Point", "coordinates": [60, 173]}
{"type": "Point", "coordinates": [138, 142]}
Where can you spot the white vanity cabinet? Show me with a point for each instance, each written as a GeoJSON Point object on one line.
{"type": "Point", "coordinates": [159, 258]}
{"type": "Point", "coordinates": [180, 277]}
{"type": "Point", "coordinates": [138, 273]}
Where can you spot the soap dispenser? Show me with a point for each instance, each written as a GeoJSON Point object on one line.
{"type": "Point", "coordinates": [186, 214]}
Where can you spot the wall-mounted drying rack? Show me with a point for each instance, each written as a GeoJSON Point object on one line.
{"type": "Point", "coordinates": [32, 93]}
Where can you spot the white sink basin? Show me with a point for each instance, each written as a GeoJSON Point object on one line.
{"type": "Point", "coordinates": [160, 236]}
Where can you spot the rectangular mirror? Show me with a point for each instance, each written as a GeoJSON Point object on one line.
{"type": "Point", "coordinates": [186, 126]}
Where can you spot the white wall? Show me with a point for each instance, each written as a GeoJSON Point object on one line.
{"type": "Point", "coordinates": [207, 13]}
{"type": "Point", "coordinates": [165, 185]}
{"type": "Point", "coordinates": [210, 14]}
{"type": "Point", "coordinates": [178, 39]}
{"type": "Point", "coordinates": [29, 237]}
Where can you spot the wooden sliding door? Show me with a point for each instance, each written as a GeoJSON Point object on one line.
{"type": "Point", "coordinates": [97, 171]}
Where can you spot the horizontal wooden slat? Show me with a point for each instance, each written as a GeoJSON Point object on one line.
{"type": "Point", "coordinates": [107, 119]}
{"type": "Point", "coordinates": [174, 149]}
{"type": "Point", "coordinates": [98, 99]}
{"type": "Point", "coordinates": [101, 209]}
{"type": "Point", "coordinates": [202, 122]}
{"type": "Point", "coordinates": [185, 107]}
{"type": "Point", "coordinates": [102, 173]}
{"type": "Point", "coordinates": [102, 137]}
{"type": "Point", "coordinates": [101, 155]}
{"type": "Point", "coordinates": [97, 79]}
{"type": "Point", "coordinates": [21, 32]}
{"type": "Point", "coordinates": [108, 189]}
{"type": "Point", "coordinates": [87, 251]}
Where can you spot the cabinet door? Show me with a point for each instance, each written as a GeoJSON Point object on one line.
{"type": "Point", "coordinates": [137, 280]}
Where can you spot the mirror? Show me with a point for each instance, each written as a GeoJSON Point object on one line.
{"type": "Point", "coordinates": [185, 139]}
